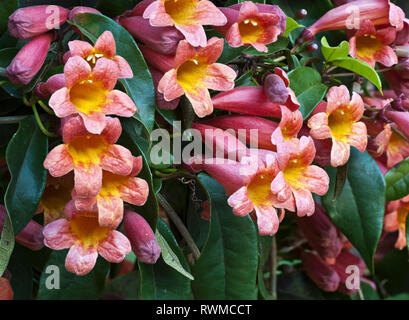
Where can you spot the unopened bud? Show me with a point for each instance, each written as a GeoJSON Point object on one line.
{"type": "Point", "coordinates": [300, 14]}
{"type": "Point", "coordinates": [32, 21]}
{"type": "Point", "coordinates": [79, 10]}
{"type": "Point", "coordinates": [275, 89]}
{"type": "Point", "coordinates": [143, 241]}
{"type": "Point", "coordinates": [45, 89]}
{"type": "Point", "coordinates": [29, 59]}
{"type": "Point", "coordinates": [305, 36]}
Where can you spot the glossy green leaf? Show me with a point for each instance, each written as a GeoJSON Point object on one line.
{"type": "Point", "coordinates": [360, 67]}
{"type": "Point", "coordinates": [170, 258]}
{"type": "Point", "coordinates": [397, 181]}
{"type": "Point", "coordinates": [125, 286]}
{"type": "Point", "coordinates": [20, 267]}
{"type": "Point", "coordinates": [140, 88]}
{"type": "Point", "coordinates": [71, 286]}
{"type": "Point", "coordinates": [307, 86]}
{"type": "Point", "coordinates": [333, 53]}
{"type": "Point", "coordinates": [160, 281]}
{"type": "Point", "coordinates": [6, 244]}
{"type": "Point", "coordinates": [227, 266]}
{"type": "Point", "coordinates": [25, 156]}
{"type": "Point", "coordinates": [359, 209]}
{"type": "Point", "coordinates": [290, 26]}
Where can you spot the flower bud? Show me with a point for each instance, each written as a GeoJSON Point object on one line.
{"type": "Point", "coordinates": [31, 236]}
{"type": "Point", "coordinates": [275, 89]}
{"type": "Point", "coordinates": [29, 60]}
{"type": "Point", "coordinates": [143, 241]}
{"type": "Point", "coordinates": [321, 233]}
{"type": "Point", "coordinates": [78, 10]}
{"type": "Point", "coordinates": [45, 89]}
{"type": "Point", "coordinates": [300, 14]}
{"type": "Point", "coordinates": [160, 99]}
{"type": "Point", "coordinates": [159, 61]}
{"type": "Point", "coordinates": [32, 21]}
{"type": "Point", "coordinates": [6, 291]}
{"type": "Point", "coordinates": [320, 272]}
{"type": "Point", "coordinates": [161, 39]}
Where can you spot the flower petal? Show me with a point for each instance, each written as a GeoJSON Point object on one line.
{"type": "Point", "coordinates": [106, 44]}
{"type": "Point", "coordinates": [169, 86]}
{"type": "Point", "coordinates": [358, 138]}
{"type": "Point", "coordinates": [120, 104]}
{"type": "Point", "coordinates": [110, 211]}
{"type": "Point", "coordinates": [212, 51]}
{"type": "Point", "coordinates": [201, 102]}
{"type": "Point", "coordinates": [118, 160]}
{"type": "Point", "coordinates": [337, 97]}
{"type": "Point", "coordinates": [135, 191]}
{"type": "Point", "coordinates": [106, 70]}
{"type": "Point", "coordinates": [76, 69]}
{"type": "Point", "coordinates": [115, 247]}
{"type": "Point", "coordinates": [304, 202]}
{"type": "Point", "coordinates": [80, 48]}
{"type": "Point", "coordinates": [194, 34]}
{"type": "Point", "coordinates": [80, 261]}
{"type": "Point", "coordinates": [219, 77]}
{"type": "Point", "coordinates": [57, 235]}
{"type": "Point", "coordinates": [94, 122]}
{"type": "Point", "coordinates": [339, 153]}
{"type": "Point", "coordinates": [61, 104]}
{"type": "Point", "coordinates": [207, 13]}
{"type": "Point", "coordinates": [59, 162]}
{"type": "Point", "coordinates": [87, 180]}
{"type": "Point", "coordinates": [319, 126]}
{"type": "Point", "coordinates": [267, 220]}
{"type": "Point", "coordinates": [316, 180]}
{"type": "Point", "coordinates": [240, 202]}
{"type": "Point", "coordinates": [125, 70]}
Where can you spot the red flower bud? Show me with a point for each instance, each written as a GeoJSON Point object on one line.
{"type": "Point", "coordinates": [6, 291]}
{"type": "Point", "coordinates": [275, 89]}
{"type": "Point", "coordinates": [320, 272]}
{"type": "Point", "coordinates": [32, 21]}
{"type": "Point", "coordinates": [29, 59]}
{"type": "Point", "coordinates": [159, 61]}
{"type": "Point", "coordinates": [160, 99]}
{"type": "Point", "coordinates": [143, 241]}
{"type": "Point", "coordinates": [161, 39]}
{"type": "Point", "coordinates": [45, 89]}
{"type": "Point", "coordinates": [79, 10]}
{"type": "Point", "coordinates": [321, 233]}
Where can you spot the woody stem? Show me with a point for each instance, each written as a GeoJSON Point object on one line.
{"type": "Point", "coordinates": [179, 225]}
{"type": "Point", "coordinates": [274, 268]}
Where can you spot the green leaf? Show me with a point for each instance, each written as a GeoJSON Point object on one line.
{"type": "Point", "coordinates": [6, 244]}
{"type": "Point", "coordinates": [397, 181]}
{"type": "Point", "coordinates": [161, 281]}
{"type": "Point", "coordinates": [125, 286]}
{"type": "Point", "coordinates": [170, 258]}
{"type": "Point", "coordinates": [7, 8]}
{"type": "Point", "coordinates": [140, 88]}
{"type": "Point", "coordinates": [115, 8]}
{"type": "Point", "coordinates": [133, 138]}
{"type": "Point", "coordinates": [361, 68]}
{"type": "Point", "coordinates": [25, 155]}
{"type": "Point", "coordinates": [307, 86]}
{"type": "Point", "coordinates": [71, 286]}
{"type": "Point", "coordinates": [290, 26]}
{"type": "Point", "coordinates": [264, 248]}
{"type": "Point", "coordinates": [227, 266]}
{"type": "Point", "coordinates": [333, 53]}
{"type": "Point", "coordinates": [20, 267]}
{"type": "Point", "coordinates": [297, 286]}
{"type": "Point", "coordinates": [359, 209]}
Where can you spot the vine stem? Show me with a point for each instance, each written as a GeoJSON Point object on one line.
{"type": "Point", "coordinates": [274, 268]}
{"type": "Point", "coordinates": [45, 107]}
{"type": "Point", "coordinates": [40, 124]}
{"type": "Point", "coordinates": [179, 225]}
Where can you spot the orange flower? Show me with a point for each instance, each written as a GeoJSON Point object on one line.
{"type": "Point", "coordinates": [290, 125]}
{"type": "Point", "coordinates": [116, 189]}
{"type": "Point", "coordinates": [340, 122]}
{"type": "Point", "coordinates": [371, 45]}
{"type": "Point", "coordinates": [104, 47]}
{"type": "Point", "coordinates": [195, 72]}
{"type": "Point", "coordinates": [88, 154]}
{"type": "Point", "coordinates": [90, 93]}
{"type": "Point", "coordinates": [57, 193]}
{"type": "Point", "coordinates": [188, 16]}
{"type": "Point", "coordinates": [294, 160]}
{"type": "Point", "coordinates": [395, 219]}
{"type": "Point", "coordinates": [81, 232]}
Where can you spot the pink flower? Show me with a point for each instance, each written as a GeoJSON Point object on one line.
{"type": "Point", "coordinates": [90, 93]}
{"type": "Point", "coordinates": [86, 239]}
{"type": "Point", "coordinates": [188, 16]}
{"type": "Point", "coordinates": [115, 189]}
{"type": "Point", "coordinates": [88, 154]}
{"type": "Point", "coordinates": [104, 47]}
{"type": "Point", "coordinates": [290, 125]}
{"type": "Point", "coordinates": [29, 59]}
{"type": "Point", "coordinates": [78, 10]}
{"type": "Point", "coordinates": [371, 45]}
{"type": "Point", "coordinates": [45, 89]}
{"type": "Point", "coordinates": [249, 26]}
{"type": "Point", "coordinates": [143, 241]}
{"type": "Point", "coordinates": [160, 99]}
{"type": "Point", "coordinates": [195, 71]}
{"type": "Point", "coordinates": [32, 21]}
{"type": "Point", "coordinates": [294, 160]}
{"type": "Point", "coordinates": [340, 122]}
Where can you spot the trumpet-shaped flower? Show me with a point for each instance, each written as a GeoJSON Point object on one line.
{"type": "Point", "coordinates": [104, 47]}
{"type": "Point", "coordinates": [372, 46]}
{"type": "Point", "coordinates": [116, 189]}
{"type": "Point", "coordinates": [395, 219]}
{"type": "Point", "coordinates": [188, 16]}
{"type": "Point", "coordinates": [294, 160]}
{"type": "Point", "coordinates": [290, 125]}
{"type": "Point", "coordinates": [81, 232]}
{"type": "Point", "coordinates": [88, 154]}
{"type": "Point", "coordinates": [195, 72]}
{"type": "Point", "coordinates": [90, 93]}
{"type": "Point", "coordinates": [341, 123]}
{"type": "Point", "coordinates": [57, 193]}
{"type": "Point", "coordinates": [249, 26]}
